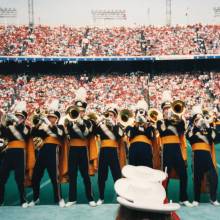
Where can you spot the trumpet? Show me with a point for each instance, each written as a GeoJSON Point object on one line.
{"type": "Point", "coordinates": [177, 110]}
{"type": "Point", "coordinates": [105, 119]}
{"type": "Point", "coordinates": [154, 115]}
{"type": "Point", "coordinates": [39, 119]}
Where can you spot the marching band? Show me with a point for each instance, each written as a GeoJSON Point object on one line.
{"type": "Point", "coordinates": [94, 143]}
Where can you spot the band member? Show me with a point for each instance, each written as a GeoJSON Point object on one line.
{"type": "Point", "coordinates": [216, 124]}
{"type": "Point", "coordinates": [201, 137]}
{"type": "Point", "coordinates": [19, 153]}
{"type": "Point", "coordinates": [171, 129]}
{"type": "Point", "coordinates": [110, 134]}
{"type": "Point", "coordinates": [141, 135]}
{"type": "Point", "coordinates": [48, 158]}
{"type": "Point", "coordinates": [79, 130]}
{"type": "Point", "coordinates": [2, 140]}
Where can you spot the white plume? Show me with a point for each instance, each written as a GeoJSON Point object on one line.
{"type": "Point", "coordinates": [142, 104]}
{"type": "Point", "coordinates": [20, 106]}
{"type": "Point", "coordinates": [197, 109]}
{"type": "Point", "coordinates": [166, 96]}
{"type": "Point", "coordinates": [81, 94]}
{"type": "Point", "coordinates": [54, 105]}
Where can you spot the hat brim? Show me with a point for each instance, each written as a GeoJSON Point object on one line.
{"type": "Point", "coordinates": [159, 208]}
{"type": "Point", "coordinates": [135, 190]}
{"type": "Point", "coordinates": [115, 114]}
{"type": "Point", "coordinates": [20, 114]}
{"type": "Point", "coordinates": [145, 196]}
{"type": "Point", "coordinates": [52, 115]}
{"type": "Point", "coordinates": [166, 106]}
{"type": "Point", "coordinates": [143, 173]}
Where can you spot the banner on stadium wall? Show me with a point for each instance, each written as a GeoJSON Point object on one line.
{"type": "Point", "coordinates": [104, 59]}
{"type": "Point", "coordinates": [175, 57]}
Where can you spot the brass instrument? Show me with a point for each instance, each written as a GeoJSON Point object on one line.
{"type": "Point", "coordinates": [38, 118]}
{"type": "Point", "coordinates": [125, 114]}
{"type": "Point", "coordinates": [154, 115]}
{"type": "Point", "coordinates": [106, 114]}
{"type": "Point", "coordinates": [92, 116]}
{"type": "Point", "coordinates": [38, 143]}
{"type": "Point", "coordinates": [126, 117]}
{"type": "Point", "coordinates": [177, 110]}
{"type": "Point", "coordinates": [105, 119]}
{"type": "Point", "coordinates": [73, 113]}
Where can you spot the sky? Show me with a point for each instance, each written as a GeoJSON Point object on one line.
{"type": "Point", "coordinates": [139, 12]}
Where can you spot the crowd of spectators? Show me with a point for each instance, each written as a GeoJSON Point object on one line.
{"type": "Point", "coordinates": [115, 41]}
{"type": "Point", "coordinates": [124, 90]}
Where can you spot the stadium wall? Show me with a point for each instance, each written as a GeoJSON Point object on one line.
{"type": "Point", "coordinates": [93, 67]}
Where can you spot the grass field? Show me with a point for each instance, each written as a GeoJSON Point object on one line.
{"type": "Point", "coordinates": [46, 197]}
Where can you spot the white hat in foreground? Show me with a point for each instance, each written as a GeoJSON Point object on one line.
{"type": "Point", "coordinates": [143, 196]}
{"type": "Point", "coordinates": [143, 173]}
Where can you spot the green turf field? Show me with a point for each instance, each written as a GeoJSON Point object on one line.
{"type": "Point", "coordinates": [46, 197]}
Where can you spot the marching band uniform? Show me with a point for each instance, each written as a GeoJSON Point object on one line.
{"type": "Point", "coordinates": [174, 151]}
{"type": "Point", "coordinates": [110, 135]}
{"type": "Point", "coordinates": [79, 132]}
{"type": "Point", "coordinates": [2, 147]}
{"type": "Point", "coordinates": [141, 136]}
{"type": "Point", "coordinates": [19, 155]}
{"type": "Point", "coordinates": [217, 125]}
{"type": "Point", "coordinates": [48, 157]}
{"type": "Point", "coordinates": [201, 137]}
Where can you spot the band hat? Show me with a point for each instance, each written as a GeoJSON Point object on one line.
{"type": "Point", "coordinates": [144, 196]}
{"type": "Point", "coordinates": [81, 105]}
{"type": "Point", "coordinates": [113, 108]}
{"type": "Point", "coordinates": [22, 113]}
{"type": "Point", "coordinates": [55, 114]}
{"type": "Point", "coordinates": [53, 108]}
{"type": "Point", "coordinates": [143, 173]}
{"type": "Point", "coordinates": [166, 99]}
{"type": "Point", "coordinates": [20, 108]}
{"type": "Point", "coordinates": [80, 97]}
{"type": "Point", "coordinates": [196, 112]}
{"type": "Point", "coordinates": [141, 104]}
